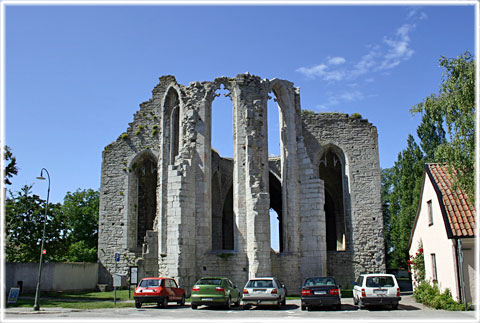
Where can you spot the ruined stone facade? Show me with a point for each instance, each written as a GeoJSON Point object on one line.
{"type": "Point", "coordinates": [170, 204]}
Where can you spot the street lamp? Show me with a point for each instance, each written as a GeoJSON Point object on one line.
{"type": "Point", "coordinates": [36, 306]}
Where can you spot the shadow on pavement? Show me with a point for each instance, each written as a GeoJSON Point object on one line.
{"type": "Point", "coordinates": [345, 307]}
{"type": "Point", "coordinates": [287, 307]}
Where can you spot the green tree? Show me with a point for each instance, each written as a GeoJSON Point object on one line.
{"type": "Point", "coordinates": [455, 106]}
{"type": "Point", "coordinates": [387, 207]}
{"type": "Point", "coordinates": [431, 135]}
{"type": "Point", "coordinates": [407, 180]}
{"type": "Point", "coordinates": [453, 109]}
{"type": "Point", "coordinates": [80, 210]}
{"type": "Point", "coordinates": [24, 219]}
{"type": "Point", "coordinates": [11, 165]}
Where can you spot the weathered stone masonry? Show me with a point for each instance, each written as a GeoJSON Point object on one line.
{"type": "Point", "coordinates": [170, 204]}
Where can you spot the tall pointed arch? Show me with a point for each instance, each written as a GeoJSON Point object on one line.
{"type": "Point", "coordinates": [142, 199]}
{"type": "Point", "coordinates": [332, 170]}
{"type": "Point", "coordinates": [172, 123]}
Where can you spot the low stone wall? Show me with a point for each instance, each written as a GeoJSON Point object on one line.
{"type": "Point", "coordinates": [55, 276]}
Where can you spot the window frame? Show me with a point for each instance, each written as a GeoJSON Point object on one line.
{"type": "Point", "coordinates": [430, 212]}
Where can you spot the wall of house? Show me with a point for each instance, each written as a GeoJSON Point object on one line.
{"type": "Point", "coordinates": [435, 241]}
{"type": "Point", "coordinates": [469, 272]}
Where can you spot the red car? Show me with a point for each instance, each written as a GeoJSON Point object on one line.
{"type": "Point", "coordinates": [158, 290]}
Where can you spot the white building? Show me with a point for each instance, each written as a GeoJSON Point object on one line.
{"type": "Point", "coordinates": [445, 228]}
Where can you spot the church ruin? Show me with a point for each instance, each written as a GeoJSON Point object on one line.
{"type": "Point", "coordinates": [172, 205]}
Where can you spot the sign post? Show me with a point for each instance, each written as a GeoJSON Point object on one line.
{"type": "Point", "coordinates": [133, 274]}
{"type": "Point", "coordinates": [115, 279]}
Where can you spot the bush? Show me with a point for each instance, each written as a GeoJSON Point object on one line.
{"type": "Point", "coordinates": [430, 296]}
{"type": "Point", "coordinates": [307, 112]}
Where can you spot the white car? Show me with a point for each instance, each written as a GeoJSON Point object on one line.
{"type": "Point", "coordinates": [264, 291]}
{"type": "Point", "coordinates": [376, 289]}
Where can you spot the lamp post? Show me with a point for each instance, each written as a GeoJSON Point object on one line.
{"type": "Point", "coordinates": [36, 306]}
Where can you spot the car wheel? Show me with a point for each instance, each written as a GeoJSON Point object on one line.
{"type": "Point", "coordinates": [194, 307]}
{"type": "Point", "coordinates": [138, 304]}
{"type": "Point", "coordinates": [355, 301]}
{"type": "Point", "coordinates": [360, 304]}
{"type": "Point", "coordinates": [338, 307]}
{"type": "Point", "coordinates": [164, 302]}
{"type": "Point", "coordinates": [182, 302]}
{"type": "Point", "coordinates": [304, 307]}
{"type": "Point", "coordinates": [395, 306]}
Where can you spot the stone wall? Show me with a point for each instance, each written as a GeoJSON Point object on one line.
{"type": "Point", "coordinates": [357, 140]}
{"type": "Point", "coordinates": [72, 276]}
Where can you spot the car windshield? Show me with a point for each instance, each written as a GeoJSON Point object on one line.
{"type": "Point", "coordinates": [260, 284]}
{"type": "Point", "coordinates": [320, 281]}
{"type": "Point", "coordinates": [380, 281]}
{"type": "Point", "coordinates": [209, 281]}
{"type": "Point", "coordinates": [150, 282]}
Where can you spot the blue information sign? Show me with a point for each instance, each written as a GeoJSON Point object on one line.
{"type": "Point", "coordinates": [13, 295]}
{"type": "Point", "coordinates": [117, 257]}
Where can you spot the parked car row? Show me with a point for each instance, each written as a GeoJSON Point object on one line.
{"type": "Point", "coordinates": [369, 289]}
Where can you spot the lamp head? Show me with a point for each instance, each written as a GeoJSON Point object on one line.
{"type": "Point", "coordinates": [41, 176]}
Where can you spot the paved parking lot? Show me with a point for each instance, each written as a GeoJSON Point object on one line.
{"type": "Point", "coordinates": [408, 310]}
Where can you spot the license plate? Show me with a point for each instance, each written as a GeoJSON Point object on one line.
{"type": "Point", "coordinates": [207, 299]}
{"type": "Point", "coordinates": [380, 292]}
{"type": "Point", "coordinates": [147, 291]}
{"type": "Point", "coordinates": [321, 292]}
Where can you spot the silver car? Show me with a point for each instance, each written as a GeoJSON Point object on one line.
{"type": "Point", "coordinates": [264, 291]}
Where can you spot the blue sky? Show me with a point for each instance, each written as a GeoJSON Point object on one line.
{"type": "Point", "coordinates": [75, 75]}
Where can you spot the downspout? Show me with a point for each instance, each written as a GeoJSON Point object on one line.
{"type": "Point", "coordinates": [460, 272]}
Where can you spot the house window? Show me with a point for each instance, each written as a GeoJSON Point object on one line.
{"type": "Point", "coordinates": [430, 212]}
{"type": "Point", "coordinates": [434, 267]}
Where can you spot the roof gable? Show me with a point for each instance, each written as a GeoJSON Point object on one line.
{"type": "Point", "coordinates": [458, 213]}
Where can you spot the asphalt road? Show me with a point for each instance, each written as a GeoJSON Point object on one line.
{"type": "Point", "coordinates": [408, 311]}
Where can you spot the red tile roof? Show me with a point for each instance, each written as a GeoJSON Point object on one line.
{"type": "Point", "coordinates": [459, 214]}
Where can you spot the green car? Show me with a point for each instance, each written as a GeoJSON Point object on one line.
{"type": "Point", "coordinates": [214, 291]}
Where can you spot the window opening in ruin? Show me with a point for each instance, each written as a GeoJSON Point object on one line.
{"type": "Point", "coordinates": [146, 172]}
{"type": "Point", "coordinates": [175, 132]}
{"type": "Point", "coordinates": [227, 221]}
{"type": "Point", "coordinates": [222, 123]}
{"type": "Point", "coordinates": [217, 215]}
{"type": "Point", "coordinates": [274, 231]}
{"type": "Point", "coordinates": [331, 227]}
{"type": "Point", "coordinates": [331, 170]}
{"type": "Point", "coordinates": [273, 126]}
{"type": "Point", "coordinates": [276, 227]}
{"type": "Point", "coordinates": [222, 216]}
{"type": "Point", "coordinates": [172, 124]}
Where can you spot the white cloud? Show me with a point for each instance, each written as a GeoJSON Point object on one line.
{"type": "Point", "coordinates": [334, 76]}
{"type": "Point", "coordinates": [342, 97]}
{"type": "Point", "coordinates": [312, 72]}
{"type": "Point", "coordinates": [367, 63]}
{"type": "Point", "coordinates": [323, 71]}
{"type": "Point", "coordinates": [336, 60]}
{"type": "Point", "coordinates": [398, 48]}
{"type": "Point", "coordinates": [415, 13]}
{"type": "Point", "coordinates": [380, 57]}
